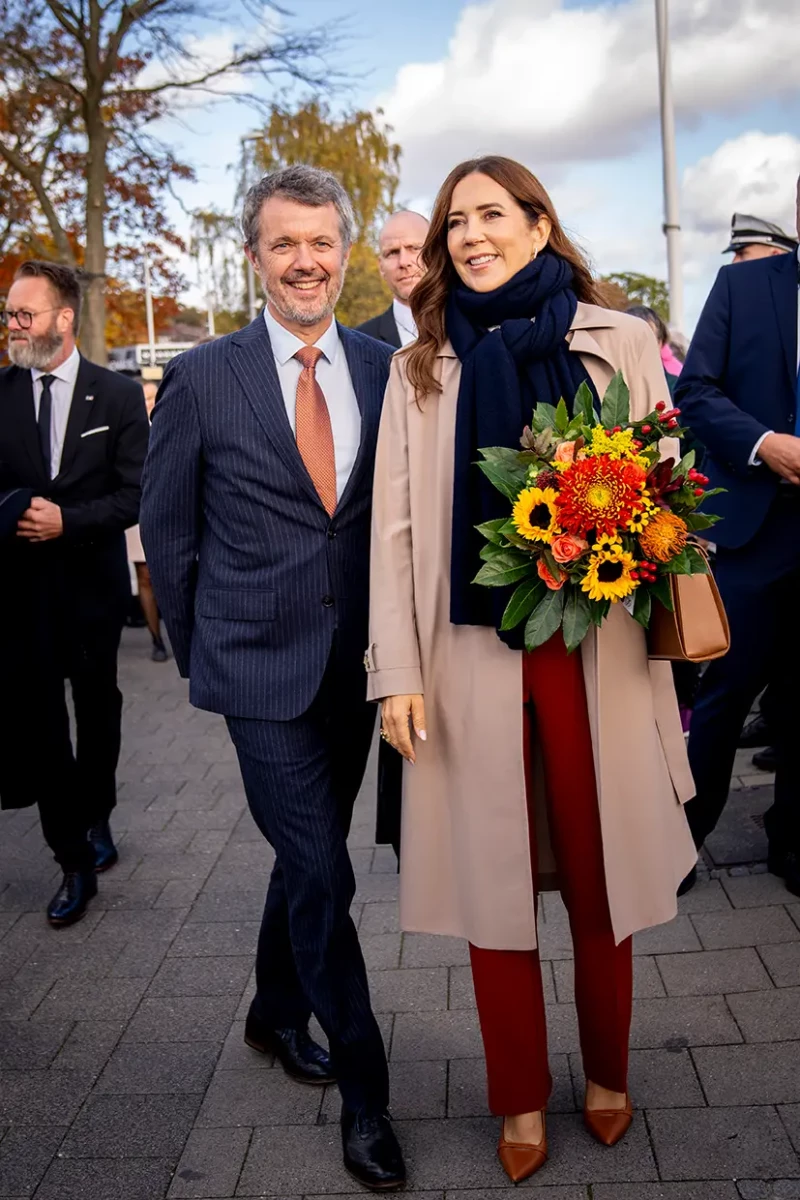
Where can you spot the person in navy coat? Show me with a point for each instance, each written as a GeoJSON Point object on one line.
{"type": "Point", "coordinates": [255, 521]}
{"type": "Point", "coordinates": [739, 393]}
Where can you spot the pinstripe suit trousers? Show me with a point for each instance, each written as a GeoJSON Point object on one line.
{"type": "Point", "coordinates": [301, 778]}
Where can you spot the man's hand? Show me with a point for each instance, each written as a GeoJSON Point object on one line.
{"type": "Point", "coordinates": [41, 522]}
{"type": "Point", "coordinates": [781, 453]}
{"type": "Point", "coordinates": [396, 713]}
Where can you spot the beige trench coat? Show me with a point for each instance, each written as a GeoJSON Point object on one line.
{"type": "Point", "coordinates": [466, 867]}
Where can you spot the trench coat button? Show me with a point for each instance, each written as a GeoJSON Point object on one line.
{"type": "Point", "coordinates": [327, 601]}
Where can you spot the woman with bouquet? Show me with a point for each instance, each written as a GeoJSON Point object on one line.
{"type": "Point", "coordinates": [527, 767]}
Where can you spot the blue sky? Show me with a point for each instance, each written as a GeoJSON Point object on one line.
{"type": "Point", "coordinates": [570, 87]}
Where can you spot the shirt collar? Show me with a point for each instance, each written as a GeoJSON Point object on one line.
{"type": "Point", "coordinates": [285, 344]}
{"type": "Point", "coordinates": [67, 372]}
{"type": "Point", "coordinates": [403, 317]}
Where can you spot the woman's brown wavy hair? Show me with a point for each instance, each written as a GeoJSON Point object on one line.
{"type": "Point", "coordinates": [429, 298]}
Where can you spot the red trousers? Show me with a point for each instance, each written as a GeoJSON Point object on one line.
{"type": "Point", "coordinates": [508, 983]}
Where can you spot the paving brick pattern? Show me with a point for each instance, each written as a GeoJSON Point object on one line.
{"type": "Point", "coordinates": [123, 1075]}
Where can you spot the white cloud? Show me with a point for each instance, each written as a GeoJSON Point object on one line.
{"type": "Point", "coordinates": [554, 85]}
{"type": "Point", "coordinates": [755, 174]}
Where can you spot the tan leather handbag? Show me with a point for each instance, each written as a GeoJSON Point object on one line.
{"type": "Point", "coordinates": [697, 630]}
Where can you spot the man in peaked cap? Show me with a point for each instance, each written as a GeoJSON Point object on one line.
{"type": "Point", "coordinates": [752, 237]}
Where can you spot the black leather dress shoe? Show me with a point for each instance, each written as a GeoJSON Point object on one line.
{"type": "Point", "coordinates": [105, 852]}
{"type": "Point", "coordinates": [755, 733]}
{"type": "Point", "coordinates": [70, 901]}
{"type": "Point", "coordinates": [687, 883]}
{"type": "Point", "coordinates": [786, 864]}
{"type": "Point", "coordinates": [298, 1054]}
{"type": "Point", "coordinates": [766, 759]}
{"type": "Point", "coordinates": [372, 1153]}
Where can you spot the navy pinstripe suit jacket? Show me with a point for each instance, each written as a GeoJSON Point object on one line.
{"type": "Point", "coordinates": [252, 576]}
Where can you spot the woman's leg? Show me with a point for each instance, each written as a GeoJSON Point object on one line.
{"type": "Point", "coordinates": [147, 599]}
{"type": "Point", "coordinates": [508, 990]}
{"type": "Point", "coordinates": [510, 999]}
{"type": "Point", "coordinates": [603, 970]}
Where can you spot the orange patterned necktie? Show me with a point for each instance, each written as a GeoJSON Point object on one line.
{"type": "Point", "coordinates": [313, 429]}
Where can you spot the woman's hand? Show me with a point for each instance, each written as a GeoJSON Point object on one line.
{"type": "Point", "coordinates": [398, 713]}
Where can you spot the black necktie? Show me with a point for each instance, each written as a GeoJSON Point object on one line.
{"type": "Point", "coordinates": [45, 413]}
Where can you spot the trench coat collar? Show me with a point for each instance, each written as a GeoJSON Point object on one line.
{"type": "Point", "coordinates": [588, 317]}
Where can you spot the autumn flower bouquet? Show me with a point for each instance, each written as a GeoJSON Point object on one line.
{"type": "Point", "coordinates": [596, 516]}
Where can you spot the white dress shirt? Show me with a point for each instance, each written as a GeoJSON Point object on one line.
{"type": "Point", "coordinates": [61, 390]}
{"type": "Point", "coordinates": [333, 376]}
{"type": "Point", "coordinates": [406, 325]}
{"type": "Point", "coordinates": [755, 461]}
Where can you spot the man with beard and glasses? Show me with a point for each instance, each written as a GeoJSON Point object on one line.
{"type": "Point", "coordinates": [73, 437]}
{"type": "Point", "coordinates": [256, 525]}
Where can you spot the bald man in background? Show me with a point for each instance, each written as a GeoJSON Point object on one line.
{"type": "Point", "coordinates": [399, 246]}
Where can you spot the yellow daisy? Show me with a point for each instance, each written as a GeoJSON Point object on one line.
{"type": "Point", "coordinates": [535, 515]}
{"type": "Point", "coordinates": [609, 575]}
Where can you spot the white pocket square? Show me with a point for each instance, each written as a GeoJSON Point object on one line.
{"type": "Point", "coordinates": [99, 429]}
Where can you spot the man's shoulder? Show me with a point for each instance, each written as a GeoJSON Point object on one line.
{"type": "Point", "coordinates": [372, 327]}
{"type": "Point", "coordinates": [114, 383]}
{"type": "Point", "coordinates": [9, 375]}
{"type": "Point", "coordinates": [364, 343]}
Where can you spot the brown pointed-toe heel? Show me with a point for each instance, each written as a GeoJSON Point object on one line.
{"type": "Point", "coordinates": [609, 1125]}
{"type": "Point", "coordinates": [522, 1159]}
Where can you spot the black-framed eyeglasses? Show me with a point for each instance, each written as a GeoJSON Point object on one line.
{"type": "Point", "coordinates": [24, 318]}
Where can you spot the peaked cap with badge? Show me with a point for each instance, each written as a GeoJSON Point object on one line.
{"type": "Point", "coordinates": [747, 230]}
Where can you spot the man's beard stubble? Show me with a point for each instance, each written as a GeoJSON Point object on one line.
{"type": "Point", "coordinates": [282, 303]}
{"type": "Point", "coordinates": [35, 352]}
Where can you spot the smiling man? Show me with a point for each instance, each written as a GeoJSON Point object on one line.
{"type": "Point", "coordinates": [256, 525]}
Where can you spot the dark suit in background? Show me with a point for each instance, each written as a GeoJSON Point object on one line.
{"type": "Point", "coordinates": [62, 604]}
{"type": "Point", "coordinates": [740, 382]}
{"type": "Point", "coordinates": [383, 328]}
{"type": "Point", "coordinates": [266, 600]}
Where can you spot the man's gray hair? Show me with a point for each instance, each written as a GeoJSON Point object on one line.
{"type": "Point", "coordinates": [311, 186]}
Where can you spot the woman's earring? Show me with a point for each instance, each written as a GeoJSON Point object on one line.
{"type": "Point", "coordinates": [535, 254]}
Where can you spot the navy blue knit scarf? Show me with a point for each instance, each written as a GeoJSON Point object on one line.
{"type": "Point", "coordinates": [505, 372]}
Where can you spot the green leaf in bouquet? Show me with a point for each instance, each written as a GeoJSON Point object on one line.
{"type": "Point", "coordinates": [544, 417]}
{"type": "Point", "coordinates": [509, 532]}
{"type": "Point", "coordinates": [661, 591]}
{"type": "Point", "coordinates": [679, 565]}
{"type": "Point", "coordinates": [598, 611]}
{"type": "Point", "coordinates": [697, 560]}
{"type": "Point", "coordinates": [491, 550]}
{"type": "Point", "coordinates": [696, 521]}
{"type": "Point", "coordinates": [712, 492]}
{"type": "Point", "coordinates": [501, 454]}
{"type": "Point", "coordinates": [508, 480]}
{"type": "Point", "coordinates": [544, 620]}
{"type": "Point", "coordinates": [577, 618]}
{"type": "Point", "coordinates": [505, 567]}
{"type": "Point", "coordinates": [616, 407]}
{"type": "Point", "coordinates": [493, 531]}
{"type": "Point", "coordinates": [562, 416]}
{"type": "Point", "coordinates": [685, 465]}
{"type": "Point", "coordinates": [584, 405]}
{"type": "Point", "coordinates": [522, 603]}
{"type": "Point", "coordinates": [642, 606]}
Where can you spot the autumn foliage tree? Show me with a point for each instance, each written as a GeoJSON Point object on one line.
{"type": "Point", "coordinates": [82, 84]}
{"type": "Point", "coordinates": [640, 289]}
{"type": "Point", "coordinates": [359, 150]}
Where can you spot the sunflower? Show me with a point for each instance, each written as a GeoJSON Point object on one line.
{"type": "Point", "coordinates": [664, 536]}
{"type": "Point", "coordinates": [609, 575]}
{"type": "Point", "coordinates": [535, 514]}
{"type": "Point", "coordinates": [600, 494]}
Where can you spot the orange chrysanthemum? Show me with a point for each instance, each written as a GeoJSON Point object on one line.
{"type": "Point", "coordinates": [600, 494]}
{"type": "Point", "coordinates": [664, 536]}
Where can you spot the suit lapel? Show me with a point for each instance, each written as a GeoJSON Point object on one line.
{"type": "Point", "coordinates": [389, 331]}
{"type": "Point", "coordinates": [253, 363]}
{"type": "Point", "coordinates": [783, 283]}
{"type": "Point", "coordinates": [365, 375]}
{"type": "Point", "coordinates": [79, 412]}
{"type": "Point", "coordinates": [23, 416]}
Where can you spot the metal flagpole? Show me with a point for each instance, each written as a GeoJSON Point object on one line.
{"type": "Point", "coordinates": [672, 227]}
{"type": "Point", "coordinates": [252, 296]}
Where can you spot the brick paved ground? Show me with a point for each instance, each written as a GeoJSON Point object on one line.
{"type": "Point", "coordinates": [122, 1070]}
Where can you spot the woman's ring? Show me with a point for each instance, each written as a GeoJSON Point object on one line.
{"type": "Point", "coordinates": [385, 736]}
